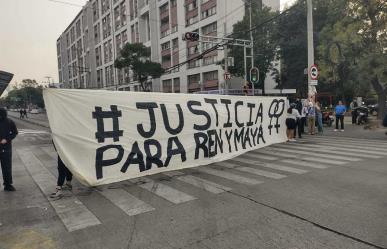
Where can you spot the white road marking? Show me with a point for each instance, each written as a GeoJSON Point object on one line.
{"type": "Point", "coordinates": [331, 150]}
{"type": "Point", "coordinates": [126, 202]}
{"type": "Point", "coordinates": [255, 171]}
{"type": "Point", "coordinates": [229, 176]}
{"type": "Point", "coordinates": [203, 184]}
{"type": "Point", "coordinates": [309, 164]}
{"type": "Point", "coordinates": [168, 193]}
{"type": "Point", "coordinates": [73, 213]}
{"type": "Point", "coordinates": [276, 166]}
{"type": "Point", "coordinates": [321, 155]}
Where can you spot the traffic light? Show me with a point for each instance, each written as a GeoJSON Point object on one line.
{"type": "Point", "coordinates": [254, 75]}
{"type": "Point", "coordinates": [191, 36]}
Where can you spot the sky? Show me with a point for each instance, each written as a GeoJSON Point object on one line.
{"type": "Point", "coordinates": [28, 33]}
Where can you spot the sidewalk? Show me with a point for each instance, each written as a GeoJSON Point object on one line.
{"type": "Point", "coordinates": [36, 119]}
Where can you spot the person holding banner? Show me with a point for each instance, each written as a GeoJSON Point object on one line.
{"type": "Point", "coordinates": [63, 174]}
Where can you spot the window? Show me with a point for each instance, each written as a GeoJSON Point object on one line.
{"type": "Point", "coordinates": [73, 52]}
{"type": "Point", "coordinates": [99, 78]}
{"type": "Point", "coordinates": [72, 34]}
{"type": "Point", "coordinates": [124, 37]}
{"type": "Point", "coordinates": [78, 28]}
{"type": "Point", "coordinates": [167, 86]}
{"type": "Point", "coordinates": [165, 46]}
{"type": "Point", "coordinates": [68, 39]}
{"type": "Point", "coordinates": [193, 82]}
{"type": "Point", "coordinates": [209, 12]}
{"type": "Point", "coordinates": [95, 11]}
{"type": "Point", "coordinates": [109, 78]}
{"type": "Point", "coordinates": [123, 13]}
{"type": "Point", "coordinates": [176, 85]}
{"type": "Point", "coordinates": [106, 26]}
{"type": "Point", "coordinates": [107, 51]}
{"type": "Point", "coordinates": [98, 56]}
{"type": "Point", "coordinates": [175, 43]}
{"type": "Point", "coordinates": [118, 44]}
{"type": "Point", "coordinates": [173, 3]}
{"type": "Point", "coordinates": [209, 76]}
{"type": "Point", "coordinates": [191, 20]}
{"type": "Point", "coordinates": [209, 60]}
{"type": "Point", "coordinates": [193, 64]}
{"type": "Point", "coordinates": [105, 6]}
{"type": "Point", "coordinates": [97, 33]}
{"type": "Point", "coordinates": [117, 18]}
{"type": "Point", "coordinates": [193, 50]}
{"type": "Point", "coordinates": [191, 6]}
{"type": "Point", "coordinates": [210, 28]}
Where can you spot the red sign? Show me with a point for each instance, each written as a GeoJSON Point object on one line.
{"type": "Point", "coordinates": [313, 72]}
{"type": "Point", "coordinates": [227, 76]}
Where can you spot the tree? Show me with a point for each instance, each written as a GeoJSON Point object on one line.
{"type": "Point", "coordinates": [372, 18]}
{"type": "Point", "coordinates": [137, 58]}
{"type": "Point", "coordinates": [265, 44]}
{"type": "Point", "coordinates": [353, 49]}
{"type": "Point", "coordinates": [29, 93]}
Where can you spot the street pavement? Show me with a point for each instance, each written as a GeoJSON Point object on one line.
{"type": "Point", "coordinates": [327, 191]}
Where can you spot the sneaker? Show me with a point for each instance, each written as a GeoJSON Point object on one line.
{"type": "Point", "coordinates": [57, 193]}
{"type": "Point", "coordinates": [292, 140]}
{"type": "Point", "coordinates": [68, 186]}
{"type": "Point", "coordinates": [9, 188]}
{"type": "Point", "coordinates": [335, 130]}
{"type": "Point", "coordinates": [342, 130]}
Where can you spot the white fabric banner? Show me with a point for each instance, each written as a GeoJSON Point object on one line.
{"type": "Point", "coordinates": [110, 136]}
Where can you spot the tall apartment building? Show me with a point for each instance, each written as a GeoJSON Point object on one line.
{"type": "Point", "coordinates": [87, 49]}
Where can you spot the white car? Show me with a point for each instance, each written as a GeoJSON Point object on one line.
{"type": "Point", "coordinates": [34, 111]}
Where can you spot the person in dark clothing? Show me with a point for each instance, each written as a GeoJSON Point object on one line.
{"type": "Point", "coordinates": [25, 113]}
{"type": "Point", "coordinates": [8, 132]}
{"type": "Point", "coordinates": [21, 113]}
{"type": "Point", "coordinates": [63, 174]}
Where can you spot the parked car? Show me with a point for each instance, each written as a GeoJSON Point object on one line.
{"type": "Point", "coordinates": [35, 111]}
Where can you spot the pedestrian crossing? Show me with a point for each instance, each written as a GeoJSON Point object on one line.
{"type": "Point", "coordinates": [29, 131]}
{"type": "Point", "coordinates": [274, 163]}
{"type": "Point", "coordinates": [39, 136]}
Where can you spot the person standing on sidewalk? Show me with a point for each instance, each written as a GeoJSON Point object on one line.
{"type": "Point", "coordinates": [304, 114]}
{"type": "Point", "coordinates": [8, 132]}
{"type": "Point", "coordinates": [291, 122]}
{"type": "Point", "coordinates": [353, 106]}
{"type": "Point", "coordinates": [319, 117]}
{"type": "Point", "coordinates": [311, 118]}
{"type": "Point", "coordinates": [340, 110]}
{"type": "Point", "coordinates": [63, 174]}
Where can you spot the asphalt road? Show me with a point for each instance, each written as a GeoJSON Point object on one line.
{"type": "Point", "coordinates": [321, 192]}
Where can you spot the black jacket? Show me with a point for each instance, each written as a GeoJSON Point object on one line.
{"type": "Point", "coordinates": [8, 131]}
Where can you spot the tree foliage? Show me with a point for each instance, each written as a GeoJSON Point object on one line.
{"type": "Point", "coordinates": [353, 50]}
{"type": "Point", "coordinates": [29, 93]}
{"type": "Point", "coordinates": [265, 44]}
{"type": "Point", "coordinates": [137, 58]}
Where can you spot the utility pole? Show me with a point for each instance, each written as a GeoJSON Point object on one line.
{"type": "Point", "coordinates": [252, 46]}
{"type": "Point", "coordinates": [311, 89]}
{"type": "Point", "coordinates": [225, 49]}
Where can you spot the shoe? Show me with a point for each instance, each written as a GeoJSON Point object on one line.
{"type": "Point", "coordinates": [342, 130]}
{"type": "Point", "coordinates": [9, 188]}
{"type": "Point", "coordinates": [57, 193]}
{"type": "Point", "coordinates": [335, 130]}
{"type": "Point", "coordinates": [68, 186]}
{"type": "Point", "coordinates": [292, 140]}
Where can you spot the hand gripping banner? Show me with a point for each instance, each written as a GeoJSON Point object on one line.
{"type": "Point", "coordinates": [110, 136]}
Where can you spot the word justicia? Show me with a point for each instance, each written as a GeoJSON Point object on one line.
{"type": "Point", "coordinates": [196, 130]}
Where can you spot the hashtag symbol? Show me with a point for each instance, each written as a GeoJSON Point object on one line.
{"type": "Point", "coordinates": [113, 114]}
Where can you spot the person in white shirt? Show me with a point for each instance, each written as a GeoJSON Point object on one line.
{"type": "Point", "coordinates": [291, 122]}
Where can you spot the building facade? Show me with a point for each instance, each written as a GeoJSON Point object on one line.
{"type": "Point", "coordinates": [87, 49]}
